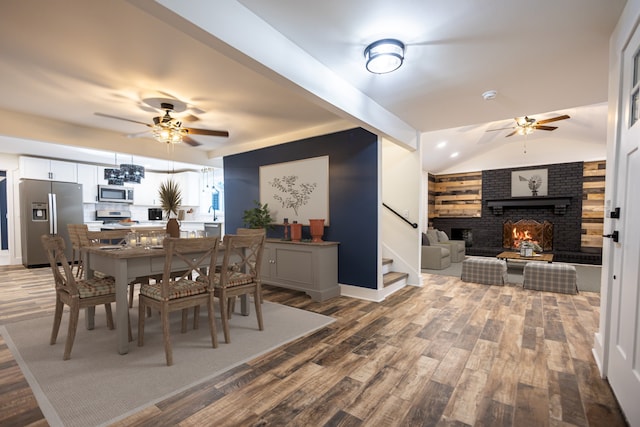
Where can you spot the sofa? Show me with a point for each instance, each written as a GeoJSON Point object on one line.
{"type": "Point", "coordinates": [435, 257]}
{"type": "Point", "coordinates": [457, 248]}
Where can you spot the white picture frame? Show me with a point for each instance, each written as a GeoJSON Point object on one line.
{"type": "Point", "coordinates": [296, 190]}
{"type": "Point", "coordinates": [529, 183]}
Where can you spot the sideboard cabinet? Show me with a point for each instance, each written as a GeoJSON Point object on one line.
{"type": "Point", "coordinates": [304, 266]}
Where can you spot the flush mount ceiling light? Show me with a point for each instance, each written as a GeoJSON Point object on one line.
{"type": "Point", "coordinates": [384, 56]}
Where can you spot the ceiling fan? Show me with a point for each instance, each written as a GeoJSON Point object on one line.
{"type": "Point", "coordinates": [169, 129]}
{"type": "Point", "coordinates": [526, 125]}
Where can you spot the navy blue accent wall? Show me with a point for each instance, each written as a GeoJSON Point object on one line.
{"type": "Point", "coordinates": [4, 244]}
{"type": "Point", "coordinates": [353, 195]}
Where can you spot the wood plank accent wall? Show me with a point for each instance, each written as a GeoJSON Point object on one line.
{"type": "Point", "coordinates": [431, 198]}
{"type": "Point", "coordinates": [593, 204]}
{"type": "Point", "coordinates": [457, 195]}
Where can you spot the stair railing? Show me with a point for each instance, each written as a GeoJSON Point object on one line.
{"type": "Point", "coordinates": [413, 224]}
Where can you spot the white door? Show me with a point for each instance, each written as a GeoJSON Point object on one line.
{"type": "Point", "coordinates": [624, 333]}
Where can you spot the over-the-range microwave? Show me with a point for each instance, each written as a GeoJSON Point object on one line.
{"type": "Point", "coordinates": [115, 193]}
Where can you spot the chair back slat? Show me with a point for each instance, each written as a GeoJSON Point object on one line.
{"type": "Point", "coordinates": [197, 255]}
{"type": "Point", "coordinates": [54, 247]}
{"type": "Point", "coordinates": [243, 253]}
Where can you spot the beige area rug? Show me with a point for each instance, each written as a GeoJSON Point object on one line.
{"type": "Point", "coordinates": [97, 386]}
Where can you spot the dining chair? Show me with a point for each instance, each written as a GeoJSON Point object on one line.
{"type": "Point", "coordinates": [179, 293]}
{"type": "Point", "coordinates": [76, 294]}
{"type": "Point", "coordinates": [239, 275]}
{"type": "Point", "coordinates": [76, 255]}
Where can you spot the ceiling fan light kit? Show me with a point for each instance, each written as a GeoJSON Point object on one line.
{"type": "Point", "coordinates": [169, 130]}
{"type": "Point", "coordinates": [384, 56]}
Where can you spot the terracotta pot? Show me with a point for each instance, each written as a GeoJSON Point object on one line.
{"type": "Point", "coordinates": [316, 228]}
{"type": "Point", "coordinates": [296, 232]}
{"type": "Point", "coordinates": [173, 227]}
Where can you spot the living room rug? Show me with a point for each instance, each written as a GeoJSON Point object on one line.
{"type": "Point", "coordinates": [97, 386]}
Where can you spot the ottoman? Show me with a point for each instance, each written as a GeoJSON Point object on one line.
{"type": "Point", "coordinates": [486, 271]}
{"type": "Point", "coordinates": [550, 277]}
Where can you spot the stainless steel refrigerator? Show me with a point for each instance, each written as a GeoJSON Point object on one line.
{"type": "Point", "coordinates": [46, 207]}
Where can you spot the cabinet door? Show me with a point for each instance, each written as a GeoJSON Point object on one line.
{"type": "Point", "coordinates": [34, 168]}
{"type": "Point", "coordinates": [63, 171]}
{"type": "Point", "coordinates": [190, 185]}
{"type": "Point", "coordinates": [88, 177]}
{"type": "Point", "coordinates": [146, 193]}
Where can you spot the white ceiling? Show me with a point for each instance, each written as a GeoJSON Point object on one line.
{"type": "Point", "coordinates": [63, 61]}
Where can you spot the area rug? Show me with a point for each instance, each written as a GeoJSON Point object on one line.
{"type": "Point", "coordinates": [98, 386]}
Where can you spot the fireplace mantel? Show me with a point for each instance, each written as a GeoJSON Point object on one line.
{"type": "Point", "coordinates": [559, 203]}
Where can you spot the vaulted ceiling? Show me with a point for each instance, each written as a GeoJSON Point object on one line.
{"type": "Point", "coordinates": [272, 72]}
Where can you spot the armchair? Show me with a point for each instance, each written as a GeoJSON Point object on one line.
{"type": "Point", "coordinates": [456, 247]}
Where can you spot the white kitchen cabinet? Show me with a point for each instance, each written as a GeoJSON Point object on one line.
{"type": "Point", "coordinates": [146, 193]}
{"type": "Point", "coordinates": [305, 266]}
{"type": "Point", "coordinates": [190, 186]}
{"type": "Point", "coordinates": [47, 169]}
{"type": "Point", "coordinates": [88, 177]}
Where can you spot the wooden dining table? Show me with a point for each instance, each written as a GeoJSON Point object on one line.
{"type": "Point", "coordinates": [125, 264]}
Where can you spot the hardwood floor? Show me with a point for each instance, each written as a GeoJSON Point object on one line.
{"type": "Point", "coordinates": [449, 353]}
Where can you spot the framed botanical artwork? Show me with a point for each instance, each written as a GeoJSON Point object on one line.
{"type": "Point", "coordinates": [529, 183]}
{"type": "Point", "coordinates": [297, 190]}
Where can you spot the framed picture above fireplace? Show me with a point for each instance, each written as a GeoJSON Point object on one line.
{"type": "Point", "coordinates": [529, 183]}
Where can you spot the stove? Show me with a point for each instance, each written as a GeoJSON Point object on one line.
{"type": "Point", "coordinates": [112, 217]}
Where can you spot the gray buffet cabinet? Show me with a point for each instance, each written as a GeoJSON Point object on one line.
{"type": "Point", "coordinates": [303, 266]}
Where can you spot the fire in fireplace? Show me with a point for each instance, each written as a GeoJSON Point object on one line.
{"type": "Point", "coordinates": [540, 233]}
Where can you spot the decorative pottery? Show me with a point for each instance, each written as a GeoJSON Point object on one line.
{"type": "Point", "coordinates": [296, 232]}
{"type": "Point", "coordinates": [173, 227]}
{"type": "Point", "coordinates": [316, 228]}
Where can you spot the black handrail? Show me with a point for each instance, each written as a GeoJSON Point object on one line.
{"type": "Point", "coordinates": [413, 224]}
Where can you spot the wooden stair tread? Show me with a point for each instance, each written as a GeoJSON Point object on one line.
{"type": "Point", "coordinates": [386, 261]}
{"type": "Point", "coordinates": [393, 277]}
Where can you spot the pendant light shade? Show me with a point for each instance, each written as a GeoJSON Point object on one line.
{"type": "Point", "coordinates": [384, 56]}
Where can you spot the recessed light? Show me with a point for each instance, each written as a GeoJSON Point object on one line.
{"type": "Point", "coordinates": [441, 144]}
{"type": "Point", "coordinates": [454, 155]}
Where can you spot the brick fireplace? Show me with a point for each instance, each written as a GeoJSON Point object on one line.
{"type": "Point", "coordinates": [561, 208]}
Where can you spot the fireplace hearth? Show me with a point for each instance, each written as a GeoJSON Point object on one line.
{"type": "Point", "coordinates": [540, 233]}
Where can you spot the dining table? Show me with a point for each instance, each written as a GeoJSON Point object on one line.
{"type": "Point", "coordinates": [125, 264]}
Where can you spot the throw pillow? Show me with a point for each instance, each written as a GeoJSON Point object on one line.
{"type": "Point", "coordinates": [442, 236]}
{"type": "Point", "coordinates": [432, 235]}
{"type": "Point", "coordinates": [425, 240]}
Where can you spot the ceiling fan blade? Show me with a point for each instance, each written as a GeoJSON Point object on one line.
{"type": "Point", "coordinates": [121, 118]}
{"type": "Point", "coordinates": [545, 127]}
{"type": "Point", "coordinates": [492, 130]}
{"type": "Point", "coordinates": [191, 142]}
{"type": "Point", "coordinates": [208, 132]}
{"type": "Point", "coordinates": [553, 119]}
{"type": "Point", "coordinates": [512, 133]}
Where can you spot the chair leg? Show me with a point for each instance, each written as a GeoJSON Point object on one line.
{"type": "Point", "coordinates": [141, 312]}
{"type": "Point", "coordinates": [74, 312]}
{"type": "Point", "coordinates": [196, 317]}
{"type": "Point", "coordinates": [256, 298]}
{"type": "Point", "coordinates": [131, 286]}
{"type": "Point", "coordinates": [107, 308]}
{"type": "Point", "coordinates": [212, 323]}
{"type": "Point", "coordinates": [57, 318]}
{"type": "Point", "coordinates": [224, 316]}
{"type": "Point", "coordinates": [185, 318]}
{"type": "Point", "coordinates": [166, 336]}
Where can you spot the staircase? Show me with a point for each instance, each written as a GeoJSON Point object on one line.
{"type": "Point", "coordinates": [391, 277]}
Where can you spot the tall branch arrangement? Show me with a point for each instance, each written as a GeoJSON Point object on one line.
{"type": "Point", "coordinates": [295, 195]}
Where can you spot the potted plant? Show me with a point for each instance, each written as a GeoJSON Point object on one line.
{"type": "Point", "coordinates": [170, 200]}
{"type": "Point", "coordinates": [258, 216]}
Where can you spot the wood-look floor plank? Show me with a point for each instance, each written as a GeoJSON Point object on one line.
{"type": "Point", "coordinates": [448, 353]}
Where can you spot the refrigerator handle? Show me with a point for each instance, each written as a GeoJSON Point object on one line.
{"type": "Point", "coordinates": [53, 214]}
